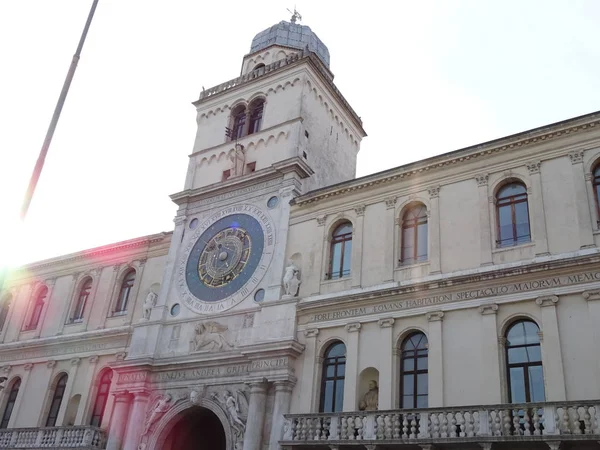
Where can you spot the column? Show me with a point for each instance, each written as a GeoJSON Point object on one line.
{"type": "Point", "coordinates": [485, 230]}
{"type": "Point", "coordinates": [309, 370]}
{"type": "Point", "coordinates": [357, 246]}
{"type": "Point", "coordinates": [322, 267]}
{"type": "Point", "coordinates": [433, 219]}
{"type": "Point", "coordinates": [490, 384]}
{"type": "Point", "coordinates": [387, 389]}
{"type": "Point", "coordinates": [281, 406]}
{"type": "Point", "coordinates": [537, 214]}
{"type": "Point", "coordinates": [68, 390]}
{"type": "Point", "coordinates": [85, 395]}
{"type": "Point", "coordinates": [436, 362]}
{"type": "Point", "coordinates": [593, 303]}
{"type": "Point", "coordinates": [50, 285]}
{"type": "Point", "coordinates": [392, 243]}
{"type": "Point", "coordinates": [351, 377]}
{"type": "Point", "coordinates": [19, 400]}
{"type": "Point", "coordinates": [67, 303]}
{"type": "Point", "coordinates": [551, 351]}
{"type": "Point", "coordinates": [591, 196]}
{"type": "Point", "coordinates": [256, 416]}
{"type": "Point", "coordinates": [118, 421]}
{"type": "Point", "coordinates": [584, 218]}
{"type": "Point", "coordinates": [136, 419]}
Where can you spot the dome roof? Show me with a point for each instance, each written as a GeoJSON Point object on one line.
{"type": "Point", "coordinates": [291, 35]}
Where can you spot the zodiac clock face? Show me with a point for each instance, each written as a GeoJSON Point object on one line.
{"type": "Point", "coordinates": [226, 258]}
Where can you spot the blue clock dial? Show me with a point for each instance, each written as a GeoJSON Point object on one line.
{"type": "Point", "coordinates": [224, 257]}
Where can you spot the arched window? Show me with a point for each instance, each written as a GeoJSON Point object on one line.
{"type": "Point", "coordinates": [125, 292]}
{"type": "Point", "coordinates": [4, 308]}
{"type": "Point", "coordinates": [332, 380]}
{"type": "Point", "coordinates": [101, 398]}
{"type": "Point", "coordinates": [258, 66]}
{"type": "Point", "coordinates": [238, 118]}
{"type": "Point", "coordinates": [10, 403]}
{"type": "Point", "coordinates": [57, 398]}
{"type": "Point", "coordinates": [596, 184]}
{"type": "Point", "coordinates": [414, 382]}
{"type": "Point", "coordinates": [36, 310]}
{"type": "Point", "coordinates": [524, 363]}
{"type": "Point", "coordinates": [256, 115]}
{"type": "Point", "coordinates": [82, 298]}
{"type": "Point", "coordinates": [513, 215]}
{"type": "Point", "coordinates": [341, 251]}
{"type": "Point", "coordinates": [414, 235]}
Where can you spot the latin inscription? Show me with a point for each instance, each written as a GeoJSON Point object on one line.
{"type": "Point", "coordinates": [44, 353]}
{"type": "Point", "coordinates": [398, 305]}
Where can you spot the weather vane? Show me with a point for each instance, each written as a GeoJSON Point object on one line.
{"type": "Point", "coordinates": [295, 15]}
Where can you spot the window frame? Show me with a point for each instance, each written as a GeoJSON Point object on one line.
{"type": "Point", "coordinates": [256, 112]}
{"type": "Point", "coordinates": [81, 300]}
{"type": "Point", "coordinates": [10, 401]}
{"type": "Point", "coordinates": [5, 309]}
{"type": "Point", "coordinates": [596, 188]}
{"type": "Point", "coordinates": [127, 284]}
{"type": "Point", "coordinates": [341, 239]}
{"type": "Point", "coordinates": [37, 307]}
{"type": "Point", "coordinates": [414, 355]}
{"type": "Point", "coordinates": [238, 122]}
{"type": "Point", "coordinates": [105, 380]}
{"type": "Point", "coordinates": [511, 201]}
{"type": "Point", "coordinates": [332, 361]}
{"type": "Point", "coordinates": [58, 395]}
{"type": "Point", "coordinates": [413, 224]}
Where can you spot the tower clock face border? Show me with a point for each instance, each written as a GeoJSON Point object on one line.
{"type": "Point", "coordinates": [225, 259]}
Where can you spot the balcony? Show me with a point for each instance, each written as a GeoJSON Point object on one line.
{"type": "Point", "coordinates": [509, 426]}
{"type": "Point", "coordinates": [83, 438]}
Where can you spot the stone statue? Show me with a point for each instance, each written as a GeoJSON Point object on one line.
{"type": "Point", "coordinates": [237, 161]}
{"type": "Point", "coordinates": [160, 407]}
{"type": "Point", "coordinates": [236, 408]}
{"type": "Point", "coordinates": [149, 303]}
{"type": "Point", "coordinates": [194, 397]}
{"type": "Point", "coordinates": [370, 401]}
{"type": "Point", "coordinates": [291, 280]}
{"type": "Point", "coordinates": [209, 336]}
{"type": "Point", "coordinates": [287, 430]}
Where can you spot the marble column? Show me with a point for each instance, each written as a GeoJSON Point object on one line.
{"type": "Point", "coordinates": [389, 251]}
{"type": "Point", "coordinates": [64, 404]}
{"type": "Point", "coordinates": [436, 362]}
{"type": "Point", "coordinates": [357, 246]}
{"type": "Point", "coordinates": [593, 303]}
{"type": "Point", "coordinates": [490, 383]}
{"type": "Point", "coordinates": [485, 230]}
{"type": "Point", "coordinates": [435, 249]}
{"type": "Point", "coordinates": [85, 395]}
{"type": "Point", "coordinates": [351, 377]}
{"type": "Point", "coordinates": [281, 406]}
{"type": "Point", "coordinates": [118, 422]}
{"type": "Point", "coordinates": [537, 215]}
{"type": "Point", "coordinates": [19, 400]}
{"type": "Point", "coordinates": [387, 386]}
{"type": "Point", "coordinates": [256, 416]}
{"type": "Point", "coordinates": [308, 402]}
{"type": "Point", "coordinates": [551, 351]}
{"type": "Point", "coordinates": [136, 419]}
{"type": "Point", "coordinates": [584, 217]}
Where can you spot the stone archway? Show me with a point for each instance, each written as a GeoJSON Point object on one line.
{"type": "Point", "coordinates": [181, 427]}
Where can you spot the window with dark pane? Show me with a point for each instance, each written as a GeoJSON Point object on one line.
{"type": "Point", "coordinates": [332, 380]}
{"type": "Point", "coordinates": [341, 251]}
{"type": "Point", "coordinates": [101, 398]}
{"type": "Point", "coordinates": [125, 292]}
{"type": "Point", "coordinates": [4, 308]}
{"type": "Point", "coordinates": [36, 312]}
{"type": "Point", "coordinates": [524, 363]}
{"type": "Point", "coordinates": [57, 398]}
{"type": "Point", "coordinates": [239, 122]}
{"type": "Point", "coordinates": [596, 184]}
{"type": "Point", "coordinates": [82, 299]}
{"type": "Point", "coordinates": [10, 403]}
{"type": "Point", "coordinates": [512, 213]}
{"type": "Point", "coordinates": [414, 235]}
{"type": "Point", "coordinates": [256, 116]}
{"type": "Point", "coordinates": [414, 381]}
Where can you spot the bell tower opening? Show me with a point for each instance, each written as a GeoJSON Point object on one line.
{"type": "Point", "coordinates": [198, 429]}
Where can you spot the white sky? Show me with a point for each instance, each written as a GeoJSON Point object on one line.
{"type": "Point", "coordinates": [426, 77]}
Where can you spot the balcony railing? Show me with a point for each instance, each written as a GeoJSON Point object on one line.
{"type": "Point", "coordinates": [529, 421]}
{"type": "Point", "coordinates": [84, 437]}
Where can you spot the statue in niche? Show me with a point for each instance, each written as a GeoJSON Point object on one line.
{"type": "Point", "coordinates": [210, 337]}
{"type": "Point", "coordinates": [291, 280]}
{"type": "Point", "coordinates": [160, 407]}
{"type": "Point", "coordinates": [237, 410]}
{"type": "Point", "coordinates": [149, 303]}
{"type": "Point", "coordinates": [370, 401]}
{"type": "Point", "coordinates": [237, 161]}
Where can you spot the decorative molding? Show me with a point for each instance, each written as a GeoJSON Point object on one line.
{"type": "Point", "coordinates": [6, 369]}
{"type": "Point", "coordinates": [547, 300]}
{"type": "Point", "coordinates": [116, 267]}
{"type": "Point", "coordinates": [502, 341]}
{"type": "Point", "coordinates": [179, 220]}
{"type": "Point", "coordinates": [508, 173]}
{"type": "Point", "coordinates": [321, 220]}
{"type": "Point", "coordinates": [50, 364]}
{"type": "Point", "coordinates": [576, 156]}
{"type": "Point", "coordinates": [386, 323]}
{"type": "Point", "coordinates": [28, 367]}
{"type": "Point", "coordinates": [485, 310]}
{"type": "Point", "coordinates": [360, 210]}
{"type": "Point", "coordinates": [142, 262]}
{"type": "Point", "coordinates": [120, 356]}
{"type": "Point", "coordinates": [93, 359]}
{"type": "Point", "coordinates": [482, 179]}
{"type": "Point", "coordinates": [491, 199]}
{"type": "Point", "coordinates": [540, 335]}
{"type": "Point", "coordinates": [534, 167]}
{"type": "Point", "coordinates": [50, 282]}
{"type": "Point", "coordinates": [75, 361]}
{"type": "Point", "coordinates": [436, 316]}
{"type": "Point", "coordinates": [588, 176]}
{"type": "Point", "coordinates": [353, 327]}
{"type": "Point", "coordinates": [311, 333]}
{"type": "Point", "coordinates": [434, 191]}
{"type": "Point", "coordinates": [591, 295]}
{"type": "Point", "coordinates": [390, 202]}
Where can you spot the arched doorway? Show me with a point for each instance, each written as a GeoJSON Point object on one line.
{"type": "Point", "coordinates": [197, 429]}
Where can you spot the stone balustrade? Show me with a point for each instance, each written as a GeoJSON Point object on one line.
{"type": "Point", "coordinates": [535, 421]}
{"type": "Point", "coordinates": [83, 437]}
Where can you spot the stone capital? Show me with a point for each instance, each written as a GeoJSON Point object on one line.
{"type": "Point", "coordinates": [120, 356]}
{"type": "Point", "coordinates": [311, 333]}
{"type": "Point", "coordinates": [434, 191]}
{"type": "Point", "coordinates": [491, 308]}
{"type": "Point", "coordinates": [28, 367]}
{"type": "Point", "coordinates": [283, 386]}
{"type": "Point", "coordinates": [390, 202]}
{"type": "Point", "coordinates": [75, 361]}
{"type": "Point", "coordinates": [50, 364]}
{"type": "Point", "coordinates": [534, 167]}
{"type": "Point", "coordinates": [141, 395]}
{"type": "Point", "coordinates": [258, 387]}
{"type": "Point", "coordinates": [591, 295]}
{"type": "Point", "coordinates": [321, 220]}
{"type": "Point", "coordinates": [360, 210]}
{"type": "Point", "coordinates": [122, 396]}
{"type": "Point", "coordinates": [482, 179]}
{"type": "Point", "coordinates": [93, 359]}
{"type": "Point", "coordinates": [576, 156]}
{"type": "Point", "coordinates": [353, 327]}
{"type": "Point", "coordinates": [179, 220]}
{"type": "Point", "coordinates": [436, 316]}
{"type": "Point", "coordinates": [6, 370]}
{"type": "Point", "coordinates": [116, 267]}
{"type": "Point", "coordinates": [386, 323]}
{"type": "Point", "coordinates": [547, 300]}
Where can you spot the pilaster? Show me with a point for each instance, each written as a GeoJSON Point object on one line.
{"type": "Point", "coordinates": [85, 395]}
{"type": "Point", "coordinates": [389, 250]}
{"type": "Point", "coordinates": [485, 230]}
{"type": "Point", "coordinates": [436, 362]}
{"type": "Point", "coordinates": [357, 246]}
{"type": "Point", "coordinates": [118, 421]}
{"type": "Point", "coordinates": [593, 304]}
{"type": "Point", "coordinates": [109, 303]}
{"type": "Point", "coordinates": [435, 249]}
{"type": "Point", "coordinates": [489, 386]}
{"type": "Point", "coordinates": [68, 303]}
{"type": "Point", "coordinates": [591, 197]}
{"type": "Point", "coordinates": [309, 372]}
{"type": "Point", "coordinates": [281, 406]}
{"type": "Point", "coordinates": [256, 416]}
{"type": "Point", "coordinates": [135, 423]}
{"type": "Point", "coordinates": [551, 350]}
{"type": "Point", "coordinates": [49, 283]}
{"type": "Point", "coordinates": [537, 214]}
{"type": "Point", "coordinates": [60, 420]}
{"type": "Point", "coordinates": [584, 218]}
{"type": "Point", "coordinates": [19, 400]}
{"type": "Point", "coordinates": [387, 389]}
{"type": "Point", "coordinates": [351, 377]}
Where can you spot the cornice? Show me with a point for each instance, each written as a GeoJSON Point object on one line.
{"type": "Point", "coordinates": [509, 143]}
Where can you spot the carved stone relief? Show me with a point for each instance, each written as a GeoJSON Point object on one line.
{"type": "Point", "coordinates": [291, 280]}
{"type": "Point", "coordinates": [234, 402]}
{"type": "Point", "coordinates": [211, 336]}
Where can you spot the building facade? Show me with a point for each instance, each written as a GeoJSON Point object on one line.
{"type": "Point", "coordinates": [450, 303]}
